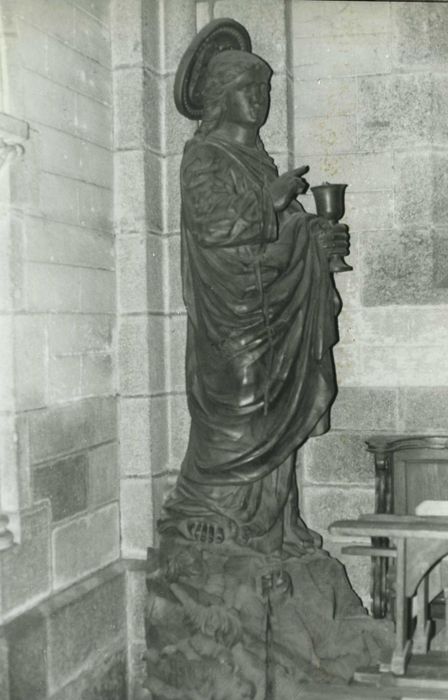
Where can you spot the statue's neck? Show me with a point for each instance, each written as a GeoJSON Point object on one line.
{"type": "Point", "coordinates": [239, 133]}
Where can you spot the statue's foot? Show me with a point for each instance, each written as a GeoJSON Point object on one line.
{"type": "Point", "coordinates": [205, 531]}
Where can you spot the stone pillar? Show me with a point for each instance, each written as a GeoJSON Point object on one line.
{"type": "Point", "coordinates": [13, 134]}
{"type": "Point", "coordinates": [149, 39]}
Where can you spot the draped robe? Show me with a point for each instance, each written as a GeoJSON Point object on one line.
{"type": "Point", "coordinates": [261, 323]}
{"type": "Point", "coordinates": [265, 610]}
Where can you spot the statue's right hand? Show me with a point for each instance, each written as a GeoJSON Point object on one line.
{"type": "Point", "coordinates": [285, 187]}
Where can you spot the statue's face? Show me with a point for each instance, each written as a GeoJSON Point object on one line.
{"type": "Point", "coordinates": [247, 103]}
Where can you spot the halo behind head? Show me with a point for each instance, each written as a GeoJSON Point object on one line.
{"type": "Point", "coordinates": [217, 36]}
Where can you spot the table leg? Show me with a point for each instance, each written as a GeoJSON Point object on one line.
{"type": "Point", "coordinates": [403, 644]}
{"type": "Point", "coordinates": [444, 581]}
{"type": "Point", "coordinates": [420, 641]}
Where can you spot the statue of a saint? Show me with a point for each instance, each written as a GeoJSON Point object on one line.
{"type": "Point", "coordinates": [260, 381]}
{"type": "Point", "coordinates": [261, 317]}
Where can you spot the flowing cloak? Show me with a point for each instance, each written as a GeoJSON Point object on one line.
{"type": "Point", "coordinates": [261, 323]}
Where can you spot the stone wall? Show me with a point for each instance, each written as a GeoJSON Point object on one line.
{"type": "Point", "coordinates": [72, 645]}
{"type": "Point", "coordinates": [370, 105]}
{"type": "Point", "coordinates": [59, 472]}
{"type": "Point", "coordinates": [61, 297]}
{"type": "Point", "coordinates": [86, 91]}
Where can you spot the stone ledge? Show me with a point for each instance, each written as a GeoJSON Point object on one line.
{"type": "Point", "coordinates": [55, 601]}
{"type": "Point", "coordinates": [106, 680]}
{"type": "Point", "coordinates": [37, 663]}
{"type": "Point", "coordinates": [12, 129]}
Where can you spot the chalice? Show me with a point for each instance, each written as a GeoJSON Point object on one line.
{"type": "Point", "coordinates": [331, 206]}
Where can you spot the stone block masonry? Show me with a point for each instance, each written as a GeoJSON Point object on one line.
{"type": "Point", "coordinates": [64, 483]}
{"type": "Point", "coordinates": [25, 569]}
{"type": "Point", "coordinates": [370, 110]}
{"type": "Point", "coordinates": [71, 646]}
{"type": "Point", "coordinates": [90, 288]}
{"type": "Point", "coordinates": [61, 305]}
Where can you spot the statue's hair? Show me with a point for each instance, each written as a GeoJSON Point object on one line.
{"type": "Point", "coordinates": [222, 71]}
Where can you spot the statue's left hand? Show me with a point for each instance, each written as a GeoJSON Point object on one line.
{"type": "Point", "coordinates": [333, 238]}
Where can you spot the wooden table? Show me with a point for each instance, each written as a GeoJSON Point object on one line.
{"type": "Point", "coordinates": [408, 470]}
{"type": "Point", "coordinates": [418, 543]}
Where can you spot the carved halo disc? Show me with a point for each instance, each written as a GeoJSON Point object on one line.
{"type": "Point", "coordinates": [218, 35]}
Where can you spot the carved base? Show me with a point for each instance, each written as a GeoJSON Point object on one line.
{"type": "Point", "coordinates": [230, 623]}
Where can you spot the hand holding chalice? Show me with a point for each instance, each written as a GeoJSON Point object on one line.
{"type": "Point", "coordinates": [331, 206]}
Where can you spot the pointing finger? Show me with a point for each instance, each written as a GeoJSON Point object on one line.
{"type": "Point", "coordinates": [301, 171]}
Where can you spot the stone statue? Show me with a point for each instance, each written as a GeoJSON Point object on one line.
{"type": "Point", "coordinates": [244, 603]}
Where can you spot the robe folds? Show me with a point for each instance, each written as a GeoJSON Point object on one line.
{"type": "Point", "coordinates": [243, 603]}
{"type": "Point", "coordinates": [262, 309]}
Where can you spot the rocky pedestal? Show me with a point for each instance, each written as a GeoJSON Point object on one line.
{"type": "Point", "coordinates": [227, 622]}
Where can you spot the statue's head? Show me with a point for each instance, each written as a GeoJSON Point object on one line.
{"type": "Point", "coordinates": [236, 87]}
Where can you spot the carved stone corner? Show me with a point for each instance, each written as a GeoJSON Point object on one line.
{"type": "Point", "coordinates": [13, 134]}
{"type": "Point", "coordinates": [6, 536]}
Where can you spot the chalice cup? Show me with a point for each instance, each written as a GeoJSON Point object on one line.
{"type": "Point", "coordinates": [331, 206]}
